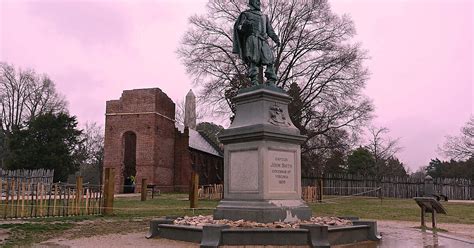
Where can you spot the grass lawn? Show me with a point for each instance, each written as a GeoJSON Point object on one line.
{"type": "Point", "coordinates": [131, 214]}
{"type": "Point", "coordinates": [171, 205]}
{"type": "Point", "coordinates": [390, 209]}
{"type": "Point", "coordinates": [367, 208]}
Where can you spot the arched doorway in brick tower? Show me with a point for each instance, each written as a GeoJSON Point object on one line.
{"type": "Point", "coordinates": [129, 161]}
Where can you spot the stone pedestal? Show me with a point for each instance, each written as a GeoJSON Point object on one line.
{"type": "Point", "coordinates": [262, 160]}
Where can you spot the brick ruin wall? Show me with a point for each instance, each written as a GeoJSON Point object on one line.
{"type": "Point", "coordinates": [149, 113]}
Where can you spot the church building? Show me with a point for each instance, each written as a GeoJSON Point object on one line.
{"type": "Point", "coordinates": [143, 140]}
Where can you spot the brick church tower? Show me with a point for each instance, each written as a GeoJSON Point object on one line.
{"type": "Point", "coordinates": [142, 140]}
{"type": "Point", "coordinates": [139, 137]}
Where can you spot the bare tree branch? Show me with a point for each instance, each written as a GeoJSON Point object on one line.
{"type": "Point", "coordinates": [462, 146]}
{"type": "Point", "coordinates": [24, 95]}
{"type": "Point", "coordinates": [316, 53]}
{"type": "Point", "coordinates": [381, 146]}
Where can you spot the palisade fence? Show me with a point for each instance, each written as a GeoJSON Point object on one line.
{"type": "Point", "coordinates": [216, 192]}
{"type": "Point", "coordinates": [34, 176]}
{"type": "Point", "coordinates": [211, 192]}
{"type": "Point", "coordinates": [32, 193]}
{"type": "Point", "coordinates": [395, 187]}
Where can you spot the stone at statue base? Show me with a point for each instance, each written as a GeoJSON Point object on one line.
{"type": "Point", "coordinates": [262, 160]}
{"type": "Point", "coordinates": [263, 211]}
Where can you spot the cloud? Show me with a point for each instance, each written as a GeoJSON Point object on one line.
{"type": "Point", "coordinates": [88, 21]}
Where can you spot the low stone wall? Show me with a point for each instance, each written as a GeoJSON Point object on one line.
{"type": "Point", "coordinates": [313, 235]}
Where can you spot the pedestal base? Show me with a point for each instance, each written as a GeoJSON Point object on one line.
{"type": "Point", "coordinates": [266, 211]}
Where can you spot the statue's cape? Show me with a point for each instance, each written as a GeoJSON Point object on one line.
{"type": "Point", "coordinates": [237, 38]}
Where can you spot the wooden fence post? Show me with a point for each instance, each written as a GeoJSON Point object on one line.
{"type": "Point", "coordinates": [56, 189]}
{"type": "Point", "coordinates": [5, 209]}
{"type": "Point", "coordinates": [1, 194]}
{"type": "Point", "coordinates": [109, 191]}
{"type": "Point", "coordinates": [79, 194]}
{"type": "Point", "coordinates": [13, 191]}
{"type": "Point", "coordinates": [320, 190]}
{"type": "Point", "coordinates": [193, 191]}
{"type": "Point", "coordinates": [23, 189]}
{"type": "Point", "coordinates": [144, 189]}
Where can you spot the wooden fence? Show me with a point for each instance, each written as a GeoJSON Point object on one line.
{"type": "Point", "coordinates": [33, 176]}
{"type": "Point", "coordinates": [28, 197]}
{"type": "Point", "coordinates": [211, 192]}
{"type": "Point", "coordinates": [396, 187]}
{"type": "Point", "coordinates": [310, 194]}
{"type": "Point", "coordinates": [216, 192]}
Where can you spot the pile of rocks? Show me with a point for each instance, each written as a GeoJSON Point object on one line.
{"type": "Point", "coordinates": [205, 220]}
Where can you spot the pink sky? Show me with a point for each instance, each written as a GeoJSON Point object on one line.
{"type": "Point", "coordinates": [421, 57]}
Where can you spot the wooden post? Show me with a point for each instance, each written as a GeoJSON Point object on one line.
{"type": "Point", "coordinates": [93, 202]}
{"type": "Point", "coordinates": [23, 189]}
{"type": "Point", "coordinates": [18, 194]}
{"type": "Point", "coordinates": [62, 201]}
{"type": "Point", "coordinates": [87, 202]}
{"type": "Point", "coordinates": [13, 198]}
{"type": "Point", "coordinates": [320, 188]}
{"type": "Point", "coordinates": [68, 202]}
{"type": "Point", "coordinates": [54, 200]}
{"type": "Point", "coordinates": [42, 200]}
{"type": "Point", "coordinates": [49, 199]}
{"type": "Point", "coordinates": [1, 190]}
{"type": "Point", "coordinates": [97, 201]}
{"type": "Point", "coordinates": [144, 189]}
{"type": "Point", "coordinates": [109, 191]}
{"type": "Point", "coordinates": [193, 191]}
{"type": "Point", "coordinates": [30, 199]}
{"type": "Point", "coordinates": [5, 209]}
{"type": "Point", "coordinates": [423, 217]}
{"type": "Point", "coordinates": [36, 198]}
{"type": "Point", "coordinates": [79, 194]}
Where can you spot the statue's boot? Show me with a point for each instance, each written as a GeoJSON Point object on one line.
{"type": "Point", "coordinates": [253, 74]}
{"type": "Point", "coordinates": [270, 75]}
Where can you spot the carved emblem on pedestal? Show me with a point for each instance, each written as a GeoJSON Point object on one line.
{"type": "Point", "coordinates": [277, 116]}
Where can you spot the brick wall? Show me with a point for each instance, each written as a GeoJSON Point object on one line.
{"type": "Point", "coordinates": [163, 155]}
{"type": "Point", "coordinates": [135, 112]}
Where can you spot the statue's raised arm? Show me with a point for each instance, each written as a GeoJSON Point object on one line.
{"type": "Point", "coordinates": [251, 32]}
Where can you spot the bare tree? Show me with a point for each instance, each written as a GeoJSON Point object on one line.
{"type": "Point", "coordinates": [420, 173]}
{"type": "Point", "coordinates": [380, 146]}
{"type": "Point", "coordinates": [180, 110]}
{"type": "Point", "coordinates": [462, 146]}
{"type": "Point", "coordinates": [24, 95]}
{"type": "Point", "coordinates": [92, 152]}
{"type": "Point", "coordinates": [316, 53]}
{"type": "Point", "coordinates": [93, 136]}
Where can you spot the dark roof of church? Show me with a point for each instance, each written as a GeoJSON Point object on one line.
{"type": "Point", "coordinates": [199, 142]}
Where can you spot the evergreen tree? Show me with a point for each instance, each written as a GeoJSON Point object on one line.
{"type": "Point", "coordinates": [50, 141]}
{"type": "Point", "coordinates": [361, 162]}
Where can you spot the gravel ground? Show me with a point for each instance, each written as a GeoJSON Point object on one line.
{"type": "Point", "coordinates": [137, 240]}
{"type": "Point", "coordinates": [394, 233]}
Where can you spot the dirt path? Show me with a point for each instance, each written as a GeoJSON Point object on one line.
{"type": "Point", "coordinates": [116, 240]}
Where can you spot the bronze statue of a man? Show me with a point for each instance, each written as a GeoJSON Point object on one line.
{"type": "Point", "coordinates": [251, 32]}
